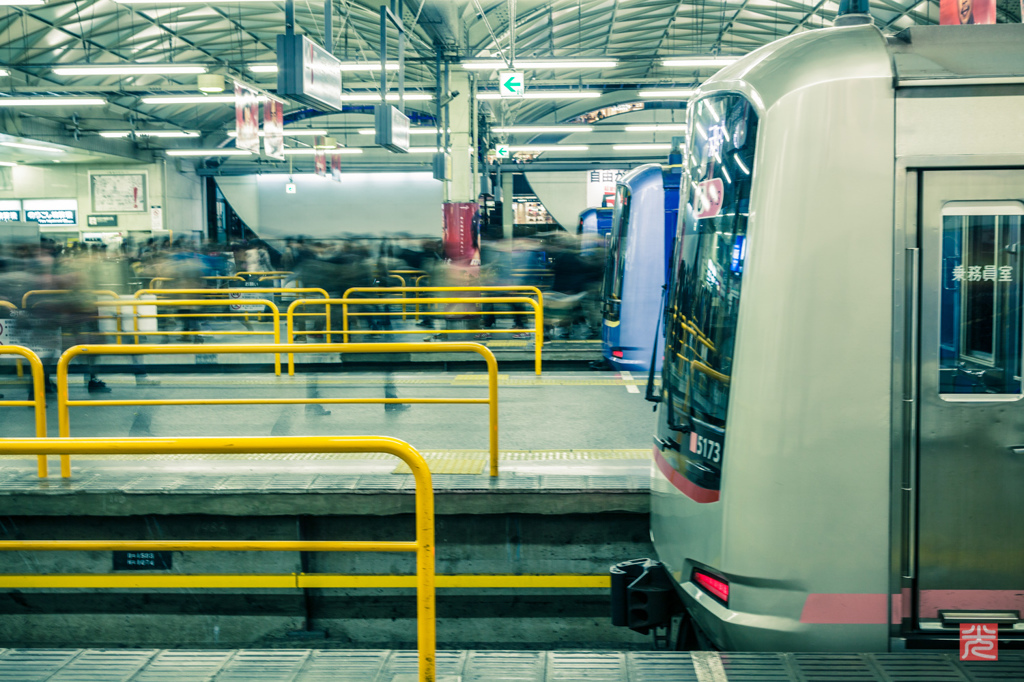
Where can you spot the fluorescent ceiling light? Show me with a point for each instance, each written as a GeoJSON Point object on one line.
{"type": "Point", "coordinates": [345, 66]}
{"type": "Point", "coordinates": [292, 133]}
{"type": "Point", "coordinates": [50, 101]}
{"type": "Point", "coordinates": [208, 152]}
{"type": "Point", "coordinates": [548, 94]}
{"type": "Point", "coordinates": [545, 129]}
{"type": "Point", "coordinates": [494, 64]}
{"type": "Point", "coordinates": [412, 131]}
{"type": "Point", "coordinates": [640, 147]}
{"type": "Point", "coordinates": [423, 150]}
{"type": "Point", "coordinates": [655, 127]}
{"type": "Point", "coordinates": [699, 61]}
{"type": "Point", "coordinates": [15, 3]}
{"type": "Point", "coordinates": [8, 163]}
{"type": "Point", "coordinates": [309, 151]}
{"type": "Point", "coordinates": [549, 148]}
{"type": "Point", "coordinates": [181, 2]}
{"type": "Point", "coordinates": [129, 70]}
{"type": "Point", "coordinates": [149, 133]}
{"type": "Point", "coordinates": [4, 72]}
{"type": "Point", "coordinates": [196, 99]}
{"type": "Point", "coordinates": [682, 93]}
{"type": "Point", "coordinates": [392, 97]}
{"type": "Point", "coordinates": [33, 147]}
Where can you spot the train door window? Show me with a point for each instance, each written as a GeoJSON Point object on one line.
{"type": "Point", "coordinates": [615, 264]}
{"type": "Point", "coordinates": [980, 315]}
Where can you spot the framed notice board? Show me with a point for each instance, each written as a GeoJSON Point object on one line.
{"type": "Point", "coordinates": [118, 192]}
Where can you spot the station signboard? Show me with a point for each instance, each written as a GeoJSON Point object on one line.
{"type": "Point", "coordinates": [307, 73]}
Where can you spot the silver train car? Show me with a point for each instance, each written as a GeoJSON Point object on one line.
{"type": "Point", "coordinates": [839, 458]}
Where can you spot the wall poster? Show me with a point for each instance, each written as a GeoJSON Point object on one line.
{"type": "Point", "coordinates": [954, 12]}
{"type": "Point", "coordinates": [118, 192]}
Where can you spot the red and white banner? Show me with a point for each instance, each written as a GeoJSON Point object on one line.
{"type": "Point", "coordinates": [273, 128]}
{"type": "Point", "coordinates": [247, 122]}
{"type": "Point", "coordinates": [319, 156]}
{"type": "Point", "coordinates": [336, 166]}
{"type": "Point", "coordinates": [954, 12]}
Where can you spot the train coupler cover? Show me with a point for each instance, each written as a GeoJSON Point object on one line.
{"type": "Point", "coordinates": [643, 596]}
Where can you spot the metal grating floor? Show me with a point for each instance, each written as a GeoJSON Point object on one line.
{"type": "Point", "coordinates": [291, 665]}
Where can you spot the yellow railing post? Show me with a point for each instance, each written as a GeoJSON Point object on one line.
{"type": "Point", "coordinates": [64, 403]}
{"type": "Point", "coordinates": [423, 545]}
{"type": "Point", "coordinates": [38, 397]}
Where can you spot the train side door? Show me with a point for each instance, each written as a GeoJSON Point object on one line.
{"type": "Point", "coordinates": [970, 466]}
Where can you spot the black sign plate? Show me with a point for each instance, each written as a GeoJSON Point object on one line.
{"type": "Point", "coordinates": [142, 561]}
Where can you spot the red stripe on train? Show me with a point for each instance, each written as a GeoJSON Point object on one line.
{"type": "Point", "coordinates": [683, 484]}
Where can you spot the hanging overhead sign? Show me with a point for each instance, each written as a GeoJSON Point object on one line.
{"type": "Point", "coordinates": [273, 128]}
{"type": "Point", "coordinates": [502, 151]}
{"type": "Point", "coordinates": [247, 121]}
{"type": "Point", "coordinates": [307, 73]}
{"type": "Point", "coordinates": [511, 83]}
{"type": "Point", "coordinates": [391, 128]}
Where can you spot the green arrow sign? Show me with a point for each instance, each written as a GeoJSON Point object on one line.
{"type": "Point", "coordinates": [503, 152]}
{"type": "Point", "coordinates": [511, 83]}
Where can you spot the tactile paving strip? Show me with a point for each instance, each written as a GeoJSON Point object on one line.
{"type": "Point", "coordinates": [436, 455]}
{"type": "Point", "coordinates": [448, 465]}
{"type": "Point", "coordinates": [290, 665]}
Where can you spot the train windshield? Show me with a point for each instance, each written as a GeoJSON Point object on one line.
{"type": "Point", "coordinates": [704, 307]}
{"type": "Point", "coordinates": [615, 265]}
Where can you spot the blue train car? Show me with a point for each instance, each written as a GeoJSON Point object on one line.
{"type": "Point", "coordinates": [594, 227]}
{"type": "Point", "coordinates": [639, 255]}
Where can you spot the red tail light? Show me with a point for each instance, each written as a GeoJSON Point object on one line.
{"type": "Point", "coordinates": [617, 354]}
{"type": "Point", "coordinates": [713, 585]}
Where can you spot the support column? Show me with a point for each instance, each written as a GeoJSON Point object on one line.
{"type": "Point", "coordinates": [463, 182]}
{"type": "Point", "coordinates": [508, 213]}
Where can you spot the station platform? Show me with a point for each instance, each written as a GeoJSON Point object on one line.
{"type": "Point", "coordinates": [82, 665]}
{"type": "Point", "coordinates": [570, 500]}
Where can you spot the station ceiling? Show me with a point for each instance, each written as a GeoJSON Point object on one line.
{"type": "Point", "coordinates": [229, 38]}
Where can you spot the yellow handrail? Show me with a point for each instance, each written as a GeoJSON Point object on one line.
{"type": "Point", "coordinates": [223, 278]}
{"type": "Point", "coordinates": [255, 273]}
{"type": "Point", "coordinates": [53, 292]}
{"type": "Point", "coordinates": [63, 401]}
{"type": "Point", "coordinates": [38, 397]}
{"type": "Point", "coordinates": [152, 282]}
{"type": "Point", "coordinates": [419, 289]}
{"type": "Point", "coordinates": [222, 292]}
{"type": "Point", "coordinates": [274, 310]}
{"type": "Point", "coordinates": [538, 317]}
{"type": "Point", "coordinates": [423, 545]}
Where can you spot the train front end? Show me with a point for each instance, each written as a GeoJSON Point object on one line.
{"type": "Point", "coordinates": [635, 272]}
{"type": "Point", "coordinates": [769, 510]}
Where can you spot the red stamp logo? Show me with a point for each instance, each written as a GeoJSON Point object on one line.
{"type": "Point", "coordinates": [979, 642]}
